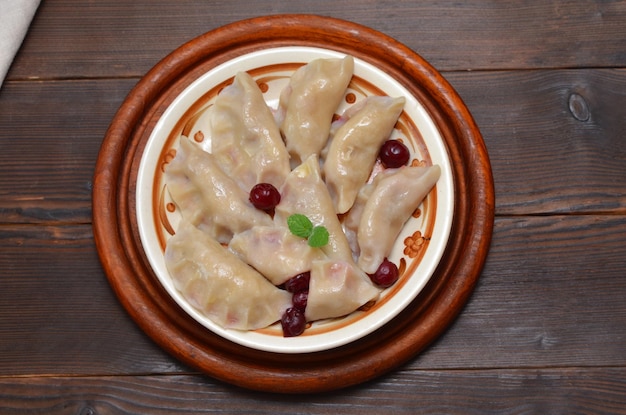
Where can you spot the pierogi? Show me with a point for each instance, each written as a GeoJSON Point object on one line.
{"type": "Point", "coordinates": [353, 150]}
{"type": "Point", "coordinates": [308, 103]}
{"type": "Point", "coordinates": [220, 285]}
{"type": "Point", "coordinates": [207, 197]}
{"type": "Point", "coordinates": [230, 260]}
{"type": "Point", "coordinates": [245, 137]}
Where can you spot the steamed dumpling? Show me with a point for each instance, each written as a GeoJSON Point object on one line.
{"type": "Point", "coordinates": [245, 139]}
{"type": "Point", "coordinates": [337, 288]}
{"type": "Point", "coordinates": [352, 219]}
{"type": "Point", "coordinates": [305, 192]}
{"type": "Point", "coordinates": [207, 197]}
{"type": "Point", "coordinates": [221, 286]}
{"type": "Point", "coordinates": [354, 147]}
{"type": "Point", "coordinates": [309, 102]}
{"type": "Point", "coordinates": [386, 211]}
{"type": "Point", "coordinates": [275, 252]}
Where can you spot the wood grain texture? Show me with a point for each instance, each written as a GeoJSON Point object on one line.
{"type": "Point", "coordinates": [58, 313]}
{"type": "Point", "coordinates": [550, 295]}
{"type": "Point", "coordinates": [50, 136]}
{"type": "Point", "coordinates": [541, 391]}
{"type": "Point", "coordinates": [555, 138]}
{"type": "Point", "coordinates": [76, 39]}
{"type": "Point", "coordinates": [544, 159]}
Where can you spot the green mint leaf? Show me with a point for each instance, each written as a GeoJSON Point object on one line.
{"type": "Point", "coordinates": [300, 225]}
{"type": "Point", "coordinates": [319, 237]}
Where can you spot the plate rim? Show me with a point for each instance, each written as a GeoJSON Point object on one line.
{"type": "Point", "coordinates": [434, 309]}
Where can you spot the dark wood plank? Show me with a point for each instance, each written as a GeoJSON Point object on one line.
{"type": "Point", "coordinates": [72, 38]}
{"type": "Point", "coordinates": [545, 391]}
{"type": "Point", "coordinates": [551, 294]}
{"type": "Point", "coordinates": [544, 158]}
{"type": "Point", "coordinates": [50, 135]}
{"type": "Point", "coordinates": [58, 313]}
{"type": "Point", "coordinates": [555, 138]}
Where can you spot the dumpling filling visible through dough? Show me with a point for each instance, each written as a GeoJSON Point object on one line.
{"type": "Point", "coordinates": [355, 145]}
{"type": "Point", "coordinates": [337, 288]}
{"type": "Point", "coordinates": [219, 284]}
{"type": "Point", "coordinates": [207, 197]}
{"type": "Point", "coordinates": [388, 208]}
{"type": "Point", "coordinates": [309, 103]}
{"type": "Point", "coordinates": [275, 252]}
{"type": "Point", "coordinates": [245, 139]}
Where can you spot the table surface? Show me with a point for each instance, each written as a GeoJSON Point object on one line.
{"type": "Point", "coordinates": [545, 328]}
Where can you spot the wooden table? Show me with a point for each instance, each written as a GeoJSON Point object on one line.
{"type": "Point", "coordinates": [545, 329]}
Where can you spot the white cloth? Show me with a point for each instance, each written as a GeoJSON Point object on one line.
{"type": "Point", "coordinates": [15, 18]}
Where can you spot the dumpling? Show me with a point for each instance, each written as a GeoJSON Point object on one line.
{"type": "Point", "coordinates": [207, 197]}
{"type": "Point", "coordinates": [337, 288]}
{"type": "Point", "coordinates": [309, 102]}
{"type": "Point", "coordinates": [386, 211]}
{"type": "Point", "coordinates": [221, 286]}
{"type": "Point", "coordinates": [354, 148]}
{"type": "Point", "coordinates": [352, 219]}
{"type": "Point", "coordinates": [305, 192]}
{"type": "Point", "coordinates": [275, 252]}
{"type": "Point", "coordinates": [245, 138]}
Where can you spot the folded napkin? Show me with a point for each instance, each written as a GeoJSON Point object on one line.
{"type": "Point", "coordinates": [15, 17]}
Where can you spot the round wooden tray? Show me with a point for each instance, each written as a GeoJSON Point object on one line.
{"type": "Point", "coordinates": [138, 289]}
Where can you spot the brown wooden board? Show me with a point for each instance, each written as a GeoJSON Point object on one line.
{"type": "Point", "coordinates": [125, 39]}
{"type": "Point", "coordinates": [537, 391]}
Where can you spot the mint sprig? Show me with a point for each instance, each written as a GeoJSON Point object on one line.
{"type": "Point", "coordinates": [319, 237]}
{"type": "Point", "coordinates": [301, 226]}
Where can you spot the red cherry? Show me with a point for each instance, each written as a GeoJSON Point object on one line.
{"type": "Point", "coordinates": [293, 322]}
{"type": "Point", "coordinates": [264, 196]}
{"type": "Point", "coordinates": [300, 300]}
{"type": "Point", "coordinates": [298, 283]}
{"type": "Point", "coordinates": [386, 275]}
{"type": "Point", "coordinates": [394, 154]}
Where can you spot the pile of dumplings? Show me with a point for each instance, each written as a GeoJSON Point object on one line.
{"type": "Point", "coordinates": [228, 258]}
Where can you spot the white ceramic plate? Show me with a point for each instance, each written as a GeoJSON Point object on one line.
{"type": "Point", "coordinates": [417, 251]}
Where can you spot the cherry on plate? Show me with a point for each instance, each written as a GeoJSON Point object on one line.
{"type": "Point", "coordinates": [394, 153]}
{"type": "Point", "coordinates": [386, 275]}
